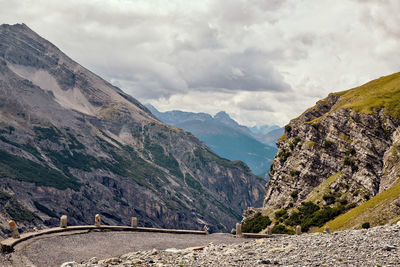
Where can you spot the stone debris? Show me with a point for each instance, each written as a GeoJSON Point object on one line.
{"type": "Point", "coordinates": [376, 246]}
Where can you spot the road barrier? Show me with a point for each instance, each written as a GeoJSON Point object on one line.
{"type": "Point", "coordinates": [7, 245]}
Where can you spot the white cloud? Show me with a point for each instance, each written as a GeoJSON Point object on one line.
{"type": "Point", "coordinates": [263, 62]}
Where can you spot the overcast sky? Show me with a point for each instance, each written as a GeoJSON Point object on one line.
{"type": "Point", "coordinates": [262, 61]}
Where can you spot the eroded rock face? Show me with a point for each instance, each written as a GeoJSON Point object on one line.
{"type": "Point", "coordinates": [73, 144]}
{"type": "Point", "coordinates": [330, 150]}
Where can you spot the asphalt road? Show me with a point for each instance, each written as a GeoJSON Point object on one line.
{"type": "Point", "coordinates": [53, 250]}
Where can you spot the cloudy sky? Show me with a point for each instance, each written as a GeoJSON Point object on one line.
{"type": "Point", "coordinates": [262, 61]}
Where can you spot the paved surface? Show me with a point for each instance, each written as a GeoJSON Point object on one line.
{"type": "Point", "coordinates": [82, 245]}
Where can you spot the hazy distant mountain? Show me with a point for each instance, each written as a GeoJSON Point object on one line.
{"type": "Point", "coordinates": [224, 135]}
{"type": "Point", "coordinates": [270, 137]}
{"type": "Point", "coordinates": [264, 129]}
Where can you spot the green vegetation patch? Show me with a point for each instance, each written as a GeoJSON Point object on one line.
{"type": "Point", "coordinates": [45, 209]}
{"type": "Point", "coordinates": [51, 134]}
{"type": "Point", "coordinates": [281, 229]}
{"type": "Point", "coordinates": [129, 164]}
{"type": "Point", "coordinates": [256, 224]}
{"type": "Point", "coordinates": [310, 214]}
{"type": "Point", "coordinates": [162, 159]}
{"type": "Point", "coordinates": [193, 183]}
{"type": "Point", "coordinates": [377, 211]}
{"type": "Point", "coordinates": [283, 155]}
{"type": "Point", "coordinates": [14, 209]}
{"type": "Point", "coordinates": [28, 171]}
{"type": "Point", "coordinates": [65, 159]}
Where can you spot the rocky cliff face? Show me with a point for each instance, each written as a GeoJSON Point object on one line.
{"type": "Point", "coordinates": [344, 148]}
{"type": "Point", "coordinates": [71, 143]}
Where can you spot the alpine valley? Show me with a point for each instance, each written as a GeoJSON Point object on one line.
{"type": "Point", "coordinates": [227, 138]}
{"type": "Point", "coordinates": [72, 143]}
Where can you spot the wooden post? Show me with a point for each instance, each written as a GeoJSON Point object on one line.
{"type": "Point", "coordinates": [14, 229]}
{"type": "Point", "coordinates": [269, 230]}
{"type": "Point", "coordinates": [238, 230]}
{"type": "Point", "coordinates": [97, 220]}
{"type": "Point", "coordinates": [134, 222]}
{"type": "Point", "coordinates": [298, 230]}
{"type": "Point", "coordinates": [63, 221]}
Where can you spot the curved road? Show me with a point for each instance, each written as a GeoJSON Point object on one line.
{"type": "Point", "coordinates": [55, 249]}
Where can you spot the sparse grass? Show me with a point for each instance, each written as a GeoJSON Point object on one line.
{"type": "Point", "coordinates": [374, 95]}
{"type": "Point", "coordinates": [382, 93]}
{"type": "Point", "coordinates": [346, 138]}
{"type": "Point", "coordinates": [323, 188]}
{"type": "Point", "coordinates": [310, 144]}
{"type": "Point", "coordinates": [377, 211]}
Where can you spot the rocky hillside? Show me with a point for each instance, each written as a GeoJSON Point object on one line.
{"type": "Point", "coordinates": [224, 136]}
{"type": "Point", "coordinates": [340, 153]}
{"type": "Point", "coordinates": [71, 143]}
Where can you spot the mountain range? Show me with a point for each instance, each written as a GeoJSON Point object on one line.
{"type": "Point", "coordinates": [71, 143]}
{"type": "Point", "coordinates": [226, 137]}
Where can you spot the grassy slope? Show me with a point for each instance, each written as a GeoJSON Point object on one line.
{"type": "Point", "coordinates": [374, 95]}
{"type": "Point", "coordinates": [376, 211]}
{"type": "Point", "coordinates": [382, 93]}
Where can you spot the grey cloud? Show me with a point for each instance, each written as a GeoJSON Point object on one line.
{"type": "Point", "coordinates": [247, 71]}
{"type": "Point", "coordinates": [160, 50]}
{"type": "Point", "coordinates": [255, 105]}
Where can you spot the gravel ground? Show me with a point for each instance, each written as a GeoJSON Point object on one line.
{"type": "Point", "coordinates": [80, 246]}
{"type": "Point", "coordinates": [379, 246]}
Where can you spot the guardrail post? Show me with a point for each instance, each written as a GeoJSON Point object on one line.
{"type": "Point", "coordinates": [269, 230]}
{"type": "Point", "coordinates": [238, 230]}
{"type": "Point", "coordinates": [298, 230]}
{"type": "Point", "coordinates": [134, 222]}
{"type": "Point", "coordinates": [14, 229]}
{"type": "Point", "coordinates": [63, 221]}
{"type": "Point", "coordinates": [97, 220]}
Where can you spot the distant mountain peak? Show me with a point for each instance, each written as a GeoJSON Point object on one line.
{"type": "Point", "coordinates": [222, 114]}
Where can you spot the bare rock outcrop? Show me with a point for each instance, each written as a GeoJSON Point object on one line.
{"type": "Point", "coordinates": [345, 147]}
